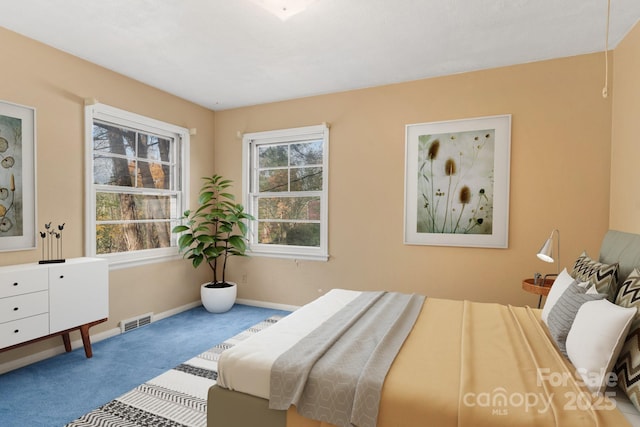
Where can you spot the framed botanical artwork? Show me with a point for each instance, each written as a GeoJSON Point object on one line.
{"type": "Point", "coordinates": [457, 182]}
{"type": "Point", "coordinates": [17, 177]}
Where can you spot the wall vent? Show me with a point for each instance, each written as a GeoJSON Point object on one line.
{"type": "Point", "coordinates": [135, 322]}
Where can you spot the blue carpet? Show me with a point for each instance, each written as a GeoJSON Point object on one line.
{"type": "Point", "coordinates": [60, 389]}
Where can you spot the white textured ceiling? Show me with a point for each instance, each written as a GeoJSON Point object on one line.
{"type": "Point", "coordinates": [230, 53]}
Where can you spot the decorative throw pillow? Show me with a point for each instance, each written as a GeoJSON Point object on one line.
{"type": "Point", "coordinates": [595, 339]}
{"type": "Point", "coordinates": [603, 276]}
{"type": "Point", "coordinates": [560, 285]}
{"type": "Point", "coordinates": [564, 311]}
{"type": "Point", "coordinates": [628, 364]}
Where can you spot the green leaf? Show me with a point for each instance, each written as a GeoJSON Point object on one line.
{"type": "Point", "coordinates": [197, 261]}
{"type": "Point", "coordinates": [214, 251]}
{"type": "Point", "coordinates": [205, 197]}
{"type": "Point", "coordinates": [204, 238]}
{"type": "Point", "coordinates": [226, 227]}
{"type": "Point", "coordinates": [237, 242]}
{"type": "Point", "coordinates": [179, 228]}
{"type": "Point", "coordinates": [198, 212]}
{"type": "Point", "coordinates": [185, 240]}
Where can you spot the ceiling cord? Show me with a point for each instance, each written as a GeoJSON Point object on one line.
{"type": "Point", "coordinates": [605, 89]}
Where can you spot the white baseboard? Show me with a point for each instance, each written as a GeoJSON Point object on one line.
{"type": "Point", "coordinates": [33, 358]}
{"type": "Point", "coordinates": [177, 310]}
{"type": "Point", "coordinates": [266, 304]}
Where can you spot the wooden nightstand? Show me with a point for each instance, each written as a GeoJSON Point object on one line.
{"type": "Point", "coordinates": [542, 288]}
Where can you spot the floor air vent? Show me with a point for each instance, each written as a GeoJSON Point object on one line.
{"type": "Point", "coordinates": [136, 322]}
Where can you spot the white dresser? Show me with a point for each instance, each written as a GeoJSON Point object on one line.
{"type": "Point", "coordinates": [38, 301]}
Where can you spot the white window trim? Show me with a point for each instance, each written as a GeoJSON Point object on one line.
{"type": "Point", "coordinates": [320, 253]}
{"type": "Point", "coordinates": [115, 115]}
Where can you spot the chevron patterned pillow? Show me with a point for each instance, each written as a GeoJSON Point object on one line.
{"type": "Point", "coordinates": [603, 276]}
{"type": "Point", "coordinates": [628, 365]}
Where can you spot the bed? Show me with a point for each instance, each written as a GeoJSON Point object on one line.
{"type": "Point", "coordinates": [461, 363]}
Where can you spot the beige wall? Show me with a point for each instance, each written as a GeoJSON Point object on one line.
{"type": "Point", "coordinates": [625, 137]}
{"type": "Point", "coordinates": [55, 84]}
{"type": "Point", "coordinates": [560, 160]}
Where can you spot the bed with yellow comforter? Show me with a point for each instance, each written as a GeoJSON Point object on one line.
{"type": "Point", "coordinates": [462, 364]}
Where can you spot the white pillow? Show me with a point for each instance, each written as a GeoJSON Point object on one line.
{"type": "Point", "coordinates": [560, 285]}
{"type": "Point", "coordinates": [595, 340]}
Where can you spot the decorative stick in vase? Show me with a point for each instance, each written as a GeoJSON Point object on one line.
{"type": "Point", "coordinates": [59, 237]}
{"type": "Point", "coordinates": [43, 235]}
{"type": "Point", "coordinates": [49, 245]}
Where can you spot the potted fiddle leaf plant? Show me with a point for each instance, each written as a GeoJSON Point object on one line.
{"type": "Point", "coordinates": [211, 234]}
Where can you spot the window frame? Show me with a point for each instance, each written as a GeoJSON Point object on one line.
{"type": "Point", "coordinates": [250, 144]}
{"type": "Point", "coordinates": [137, 122]}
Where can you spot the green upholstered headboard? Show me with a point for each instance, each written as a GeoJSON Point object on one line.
{"type": "Point", "coordinates": [623, 248]}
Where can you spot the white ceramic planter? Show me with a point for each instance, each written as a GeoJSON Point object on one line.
{"type": "Point", "coordinates": [218, 300]}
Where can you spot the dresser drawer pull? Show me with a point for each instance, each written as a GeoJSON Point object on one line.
{"type": "Point", "coordinates": [15, 308]}
{"type": "Point", "coordinates": [61, 276]}
{"type": "Point", "coordinates": [15, 283]}
{"type": "Point", "coordinates": [16, 331]}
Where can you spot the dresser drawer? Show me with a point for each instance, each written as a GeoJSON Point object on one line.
{"type": "Point", "coordinates": [21, 281]}
{"type": "Point", "coordinates": [23, 330]}
{"type": "Point", "coordinates": [20, 306]}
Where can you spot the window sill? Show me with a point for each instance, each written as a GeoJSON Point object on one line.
{"type": "Point", "coordinates": [302, 257]}
{"type": "Point", "coordinates": [118, 263]}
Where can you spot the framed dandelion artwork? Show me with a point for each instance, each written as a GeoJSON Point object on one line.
{"type": "Point", "coordinates": [457, 182]}
{"type": "Point", "coordinates": [17, 177]}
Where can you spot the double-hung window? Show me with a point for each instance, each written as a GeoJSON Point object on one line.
{"type": "Point", "coordinates": [285, 185]}
{"type": "Point", "coordinates": [136, 175]}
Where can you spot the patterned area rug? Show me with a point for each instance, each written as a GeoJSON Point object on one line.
{"type": "Point", "coordinates": [175, 398]}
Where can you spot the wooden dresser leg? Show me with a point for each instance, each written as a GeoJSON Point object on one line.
{"type": "Point", "coordinates": [67, 342]}
{"type": "Point", "coordinates": [86, 340]}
